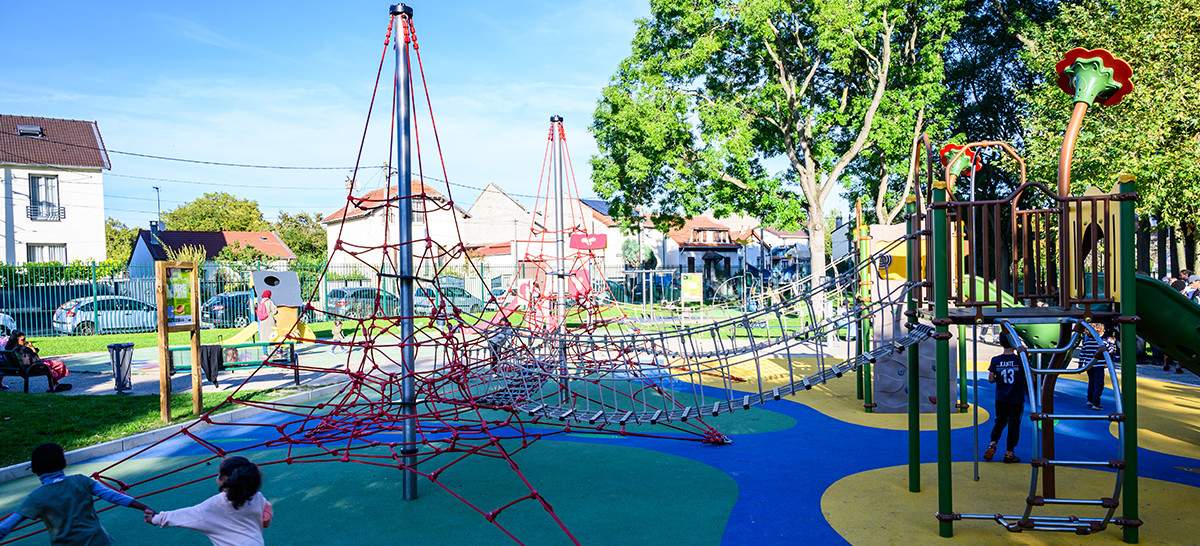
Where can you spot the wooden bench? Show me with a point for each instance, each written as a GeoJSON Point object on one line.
{"type": "Point", "coordinates": [286, 354]}
{"type": "Point", "coordinates": [10, 364]}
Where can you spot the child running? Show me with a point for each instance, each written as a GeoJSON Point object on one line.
{"type": "Point", "coordinates": [235, 516]}
{"type": "Point", "coordinates": [65, 503]}
{"type": "Point", "coordinates": [1008, 375]}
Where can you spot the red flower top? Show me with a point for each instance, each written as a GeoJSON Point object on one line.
{"type": "Point", "coordinates": [1121, 73]}
{"type": "Point", "coordinates": [963, 165]}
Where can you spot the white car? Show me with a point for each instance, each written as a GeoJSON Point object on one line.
{"type": "Point", "coordinates": [102, 314]}
{"type": "Point", "coordinates": [7, 324]}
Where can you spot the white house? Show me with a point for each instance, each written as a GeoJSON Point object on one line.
{"type": "Point", "coordinates": [703, 245]}
{"type": "Point", "coordinates": [600, 222]}
{"type": "Point", "coordinates": [152, 245]}
{"type": "Point", "coordinates": [361, 227]}
{"type": "Point", "coordinates": [53, 207]}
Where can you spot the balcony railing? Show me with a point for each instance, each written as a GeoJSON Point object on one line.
{"type": "Point", "coordinates": [44, 212]}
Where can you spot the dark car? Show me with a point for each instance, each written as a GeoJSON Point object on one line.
{"type": "Point", "coordinates": [230, 309]}
{"type": "Point", "coordinates": [359, 302]}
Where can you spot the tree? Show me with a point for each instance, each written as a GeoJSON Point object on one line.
{"type": "Point", "coordinates": [217, 211]}
{"type": "Point", "coordinates": [637, 255]}
{"type": "Point", "coordinates": [1154, 132]}
{"type": "Point", "coordinates": [118, 240]}
{"type": "Point", "coordinates": [303, 233]}
{"type": "Point", "coordinates": [236, 252]}
{"type": "Point", "coordinates": [715, 90]}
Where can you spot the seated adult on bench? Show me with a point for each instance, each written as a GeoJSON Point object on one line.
{"type": "Point", "coordinates": [27, 355]}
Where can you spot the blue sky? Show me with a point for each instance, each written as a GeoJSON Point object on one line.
{"type": "Point", "coordinates": [289, 83]}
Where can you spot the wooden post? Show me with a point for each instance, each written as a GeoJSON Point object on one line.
{"type": "Point", "coordinates": [194, 334]}
{"type": "Point", "coordinates": [164, 351]}
{"type": "Point", "coordinates": [161, 270]}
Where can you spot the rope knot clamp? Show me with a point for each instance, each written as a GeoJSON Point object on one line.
{"type": "Point", "coordinates": [1108, 502]}
{"type": "Point", "coordinates": [953, 516]}
{"type": "Point", "coordinates": [1033, 416]}
{"type": "Point", "coordinates": [408, 451]}
{"type": "Point", "coordinates": [1036, 500]}
{"type": "Point", "coordinates": [962, 406]}
{"type": "Point", "coordinates": [1128, 522]}
{"type": "Point", "coordinates": [872, 405]}
{"type": "Point", "coordinates": [1119, 465]}
{"type": "Point", "coordinates": [1116, 417]}
{"type": "Point", "coordinates": [1128, 319]}
{"type": "Point", "coordinates": [1040, 463]}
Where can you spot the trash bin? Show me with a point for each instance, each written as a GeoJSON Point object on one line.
{"type": "Point", "coordinates": [121, 355]}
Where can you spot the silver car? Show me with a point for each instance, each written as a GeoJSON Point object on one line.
{"type": "Point", "coordinates": [424, 299]}
{"type": "Point", "coordinates": [90, 315]}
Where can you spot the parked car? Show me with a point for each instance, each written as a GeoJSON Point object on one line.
{"type": "Point", "coordinates": [7, 324]}
{"type": "Point", "coordinates": [359, 302]}
{"type": "Point", "coordinates": [104, 314]}
{"type": "Point", "coordinates": [424, 299]}
{"type": "Point", "coordinates": [230, 309]}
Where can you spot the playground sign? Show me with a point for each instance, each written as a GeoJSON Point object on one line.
{"type": "Point", "coordinates": [589, 241]}
{"type": "Point", "coordinates": [692, 288]}
{"type": "Point", "coordinates": [179, 296]}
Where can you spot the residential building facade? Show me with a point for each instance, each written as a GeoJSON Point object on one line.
{"type": "Point", "coordinates": [53, 201]}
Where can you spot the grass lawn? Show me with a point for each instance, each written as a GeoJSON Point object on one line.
{"type": "Point", "coordinates": [27, 420]}
{"type": "Point", "coordinates": [51, 346]}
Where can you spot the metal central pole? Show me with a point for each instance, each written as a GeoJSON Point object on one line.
{"type": "Point", "coordinates": [404, 243]}
{"type": "Point", "coordinates": [560, 254]}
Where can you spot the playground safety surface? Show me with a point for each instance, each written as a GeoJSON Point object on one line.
{"type": "Point", "coordinates": [811, 467]}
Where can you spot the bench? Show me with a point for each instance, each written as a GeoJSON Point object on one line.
{"type": "Point", "coordinates": [10, 364]}
{"type": "Point", "coordinates": [285, 355]}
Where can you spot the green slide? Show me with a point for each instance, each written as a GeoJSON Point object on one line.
{"type": "Point", "coordinates": [1169, 321]}
{"type": "Point", "coordinates": [1041, 336]}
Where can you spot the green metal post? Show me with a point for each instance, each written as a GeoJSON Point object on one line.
{"type": "Point", "coordinates": [1129, 360]}
{"type": "Point", "coordinates": [962, 368]}
{"type": "Point", "coordinates": [95, 305]}
{"type": "Point", "coordinates": [864, 324]}
{"type": "Point", "coordinates": [941, 313]}
{"type": "Point", "coordinates": [914, 399]}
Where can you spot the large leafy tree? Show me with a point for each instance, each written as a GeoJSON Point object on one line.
{"type": "Point", "coordinates": [985, 78]}
{"type": "Point", "coordinates": [217, 211]}
{"type": "Point", "coordinates": [717, 93]}
{"type": "Point", "coordinates": [303, 233]}
{"type": "Point", "coordinates": [118, 240]}
{"type": "Point", "coordinates": [1154, 132]}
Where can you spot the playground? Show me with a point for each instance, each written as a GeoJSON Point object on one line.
{"type": "Point", "coordinates": [849, 406]}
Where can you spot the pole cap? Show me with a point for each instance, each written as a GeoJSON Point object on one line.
{"type": "Point", "coordinates": [398, 9]}
{"type": "Point", "coordinates": [556, 118]}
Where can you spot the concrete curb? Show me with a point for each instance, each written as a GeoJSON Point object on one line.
{"type": "Point", "coordinates": [77, 456]}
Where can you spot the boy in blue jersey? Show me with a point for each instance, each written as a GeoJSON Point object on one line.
{"type": "Point", "coordinates": [1008, 375]}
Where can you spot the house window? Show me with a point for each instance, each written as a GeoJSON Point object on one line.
{"type": "Point", "coordinates": [46, 253]}
{"type": "Point", "coordinates": [43, 198]}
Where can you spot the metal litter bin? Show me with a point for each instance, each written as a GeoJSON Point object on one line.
{"type": "Point", "coordinates": [121, 356]}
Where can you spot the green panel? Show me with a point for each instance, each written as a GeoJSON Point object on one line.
{"type": "Point", "coordinates": [1169, 321]}
{"type": "Point", "coordinates": [1040, 336]}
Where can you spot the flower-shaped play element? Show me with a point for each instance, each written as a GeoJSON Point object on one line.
{"type": "Point", "coordinates": [962, 165]}
{"type": "Point", "coordinates": [1094, 75]}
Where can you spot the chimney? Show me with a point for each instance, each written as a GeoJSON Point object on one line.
{"type": "Point", "coordinates": [155, 229]}
{"type": "Point", "coordinates": [350, 185]}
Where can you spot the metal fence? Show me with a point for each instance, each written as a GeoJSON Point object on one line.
{"type": "Point", "coordinates": [51, 299]}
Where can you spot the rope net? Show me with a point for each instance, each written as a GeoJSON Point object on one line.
{"type": "Point", "coordinates": [557, 356]}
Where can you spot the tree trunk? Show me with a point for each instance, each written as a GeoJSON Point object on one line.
{"type": "Point", "coordinates": [1189, 247]}
{"type": "Point", "coordinates": [1174, 252]}
{"type": "Point", "coordinates": [1143, 245]}
{"type": "Point", "coordinates": [816, 241]}
{"type": "Point", "coordinates": [1161, 235]}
